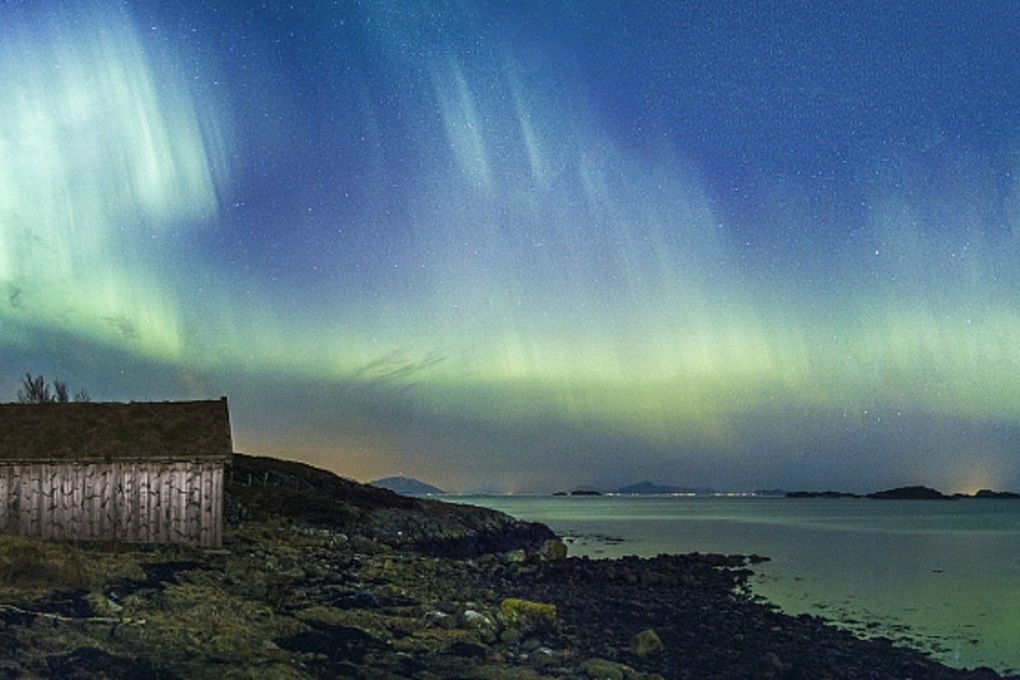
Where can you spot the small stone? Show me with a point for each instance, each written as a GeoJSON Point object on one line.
{"type": "Point", "coordinates": [601, 669]}
{"type": "Point", "coordinates": [515, 557]}
{"type": "Point", "coordinates": [772, 659]}
{"type": "Point", "coordinates": [510, 636]}
{"type": "Point", "coordinates": [440, 620]}
{"type": "Point", "coordinates": [645, 643]}
{"type": "Point", "coordinates": [487, 560]}
{"type": "Point", "coordinates": [467, 649]}
{"type": "Point", "coordinates": [543, 657]}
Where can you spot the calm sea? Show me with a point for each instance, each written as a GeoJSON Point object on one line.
{"type": "Point", "coordinates": [942, 576]}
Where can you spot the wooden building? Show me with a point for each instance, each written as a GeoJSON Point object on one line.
{"type": "Point", "coordinates": [122, 472]}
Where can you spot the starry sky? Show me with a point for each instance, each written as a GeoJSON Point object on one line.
{"type": "Point", "coordinates": [530, 245]}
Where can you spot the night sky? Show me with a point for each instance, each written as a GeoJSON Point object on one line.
{"type": "Point", "coordinates": [526, 245]}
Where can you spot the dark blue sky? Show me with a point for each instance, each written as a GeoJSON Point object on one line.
{"type": "Point", "coordinates": [508, 244]}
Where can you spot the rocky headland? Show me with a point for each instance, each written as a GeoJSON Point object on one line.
{"type": "Point", "coordinates": [320, 577]}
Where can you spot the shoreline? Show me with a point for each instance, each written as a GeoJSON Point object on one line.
{"type": "Point", "coordinates": [321, 577]}
{"type": "Point", "coordinates": [862, 624]}
{"type": "Point", "coordinates": [291, 601]}
{"type": "Point", "coordinates": [908, 583]}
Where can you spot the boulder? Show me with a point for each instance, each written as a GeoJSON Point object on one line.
{"type": "Point", "coordinates": [645, 643]}
{"type": "Point", "coordinates": [553, 550]}
{"type": "Point", "coordinates": [603, 669]}
{"type": "Point", "coordinates": [482, 624]}
{"type": "Point", "coordinates": [527, 616]}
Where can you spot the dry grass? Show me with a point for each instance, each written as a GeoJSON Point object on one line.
{"type": "Point", "coordinates": [31, 568]}
{"type": "Point", "coordinates": [29, 564]}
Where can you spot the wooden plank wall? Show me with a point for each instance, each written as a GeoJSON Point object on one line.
{"type": "Point", "coordinates": [130, 501]}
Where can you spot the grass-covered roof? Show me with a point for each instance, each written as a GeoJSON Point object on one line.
{"type": "Point", "coordinates": [113, 430]}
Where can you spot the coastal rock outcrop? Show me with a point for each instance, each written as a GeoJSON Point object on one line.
{"type": "Point", "coordinates": [260, 489]}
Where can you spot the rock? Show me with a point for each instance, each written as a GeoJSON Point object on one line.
{"type": "Point", "coordinates": [362, 599]}
{"type": "Point", "coordinates": [487, 560]}
{"type": "Point", "coordinates": [467, 649]}
{"type": "Point", "coordinates": [510, 636]}
{"type": "Point", "coordinates": [553, 550]}
{"type": "Point", "coordinates": [440, 620]}
{"type": "Point", "coordinates": [645, 643]}
{"type": "Point", "coordinates": [531, 644]}
{"type": "Point", "coordinates": [771, 660]}
{"type": "Point", "coordinates": [527, 616]}
{"type": "Point", "coordinates": [103, 605]}
{"type": "Point", "coordinates": [602, 669]}
{"type": "Point", "coordinates": [482, 624]}
{"type": "Point", "coordinates": [543, 657]}
{"type": "Point", "coordinates": [515, 557]}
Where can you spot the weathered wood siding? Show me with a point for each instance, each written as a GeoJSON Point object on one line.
{"type": "Point", "coordinates": [144, 501]}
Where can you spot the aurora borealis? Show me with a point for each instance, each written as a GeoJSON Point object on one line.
{"type": "Point", "coordinates": [527, 245]}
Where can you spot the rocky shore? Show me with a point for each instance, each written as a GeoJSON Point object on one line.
{"type": "Point", "coordinates": [322, 578]}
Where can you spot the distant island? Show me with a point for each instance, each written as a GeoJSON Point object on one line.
{"type": "Point", "coordinates": [648, 488]}
{"type": "Point", "coordinates": [985, 493]}
{"type": "Point", "coordinates": [643, 489]}
{"type": "Point", "coordinates": [821, 494]}
{"type": "Point", "coordinates": [407, 486]}
{"type": "Point", "coordinates": [910, 493]}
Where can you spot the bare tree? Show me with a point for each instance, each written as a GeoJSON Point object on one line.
{"type": "Point", "coordinates": [35, 390]}
{"type": "Point", "coordinates": [60, 393]}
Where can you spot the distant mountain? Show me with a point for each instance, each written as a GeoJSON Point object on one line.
{"type": "Point", "coordinates": [648, 488]}
{"type": "Point", "coordinates": [406, 486]}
